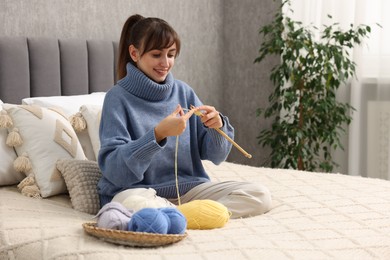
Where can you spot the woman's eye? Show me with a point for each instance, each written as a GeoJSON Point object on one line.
{"type": "Point", "coordinates": [156, 55]}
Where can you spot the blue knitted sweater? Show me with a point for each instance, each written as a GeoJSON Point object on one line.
{"type": "Point", "coordinates": [130, 156]}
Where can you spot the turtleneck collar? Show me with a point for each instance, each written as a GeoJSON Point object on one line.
{"type": "Point", "coordinates": [138, 84]}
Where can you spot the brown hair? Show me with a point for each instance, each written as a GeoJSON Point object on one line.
{"type": "Point", "coordinates": [145, 34]}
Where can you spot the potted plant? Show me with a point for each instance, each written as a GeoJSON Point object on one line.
{"type": "Point", "coordinates": [306, 118]}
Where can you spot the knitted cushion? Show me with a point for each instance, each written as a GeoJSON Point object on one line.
{"type": "Point", "coordinates": [81, 178]}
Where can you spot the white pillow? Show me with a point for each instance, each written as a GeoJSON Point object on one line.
{"type": "Point", "coordinates": [46, 136]}
{"type": "Point", "coordinates": [92, 115]}
{"type": "Point", "coordinates": [71, 105]}
{"type": "Point", "coordinates": [8, 175]}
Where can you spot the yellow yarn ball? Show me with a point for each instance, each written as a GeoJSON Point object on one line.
{"type": "Point", "coordinates": [204, 214]}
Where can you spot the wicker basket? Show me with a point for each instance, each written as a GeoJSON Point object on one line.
{"type": "Point", "coordinates": [130, 238]}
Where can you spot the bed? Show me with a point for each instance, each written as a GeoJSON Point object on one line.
{"type": "Point", "coordinates": [314, 215]}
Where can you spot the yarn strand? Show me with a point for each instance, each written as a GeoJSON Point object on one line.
{"type": "Point", "coordinates": [176, 178]}
{"type": "Point", "coordinates": [200, 214]}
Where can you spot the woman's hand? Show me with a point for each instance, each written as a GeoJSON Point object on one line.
{"type": "Point", "coordinates": [172, 125]}
{"type": "Point", "coordinates": [211, 117]}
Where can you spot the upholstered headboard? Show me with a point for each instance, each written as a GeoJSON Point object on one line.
{"type": "Point", "coordinates": [31, 67]}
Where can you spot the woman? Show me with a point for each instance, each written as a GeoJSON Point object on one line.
{"type": "Point", "coordinates": [141, 117]}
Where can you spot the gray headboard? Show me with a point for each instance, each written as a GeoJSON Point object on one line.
{"type": "Point", "coordinates": [31, 67]}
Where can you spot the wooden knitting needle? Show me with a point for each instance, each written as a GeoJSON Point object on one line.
{"type": "Point", "coordinates": [198, 113]}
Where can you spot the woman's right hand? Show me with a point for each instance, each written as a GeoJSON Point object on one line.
{"type": "Point", "coordinates": [172, 125]}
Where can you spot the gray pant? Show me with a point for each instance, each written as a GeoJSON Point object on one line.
{"type": "Point", "coordinates": [243, 199]}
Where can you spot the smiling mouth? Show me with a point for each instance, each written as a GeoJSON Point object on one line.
{"type": "Point", "coordinates": [161, 72]}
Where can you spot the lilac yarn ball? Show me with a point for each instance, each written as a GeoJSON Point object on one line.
{"type": "Point", "coordinates": [113, 215]}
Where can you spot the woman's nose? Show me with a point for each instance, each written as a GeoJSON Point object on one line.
{"type": "Point", "coordinates": [164, 61]}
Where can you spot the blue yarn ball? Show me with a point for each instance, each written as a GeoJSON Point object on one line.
{"type": "Point", "coordinates": [177, 223]}
{"type": "Point", "coordinates": [149, 220]}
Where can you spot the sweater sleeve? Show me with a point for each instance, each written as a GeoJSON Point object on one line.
{"type": "Point", "coordinates": [214, 146]}
{"type": "Point", "coordinates": [123, 159]}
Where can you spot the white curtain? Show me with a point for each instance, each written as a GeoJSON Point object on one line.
{"type": "Point", "coordinates": [367, 145]}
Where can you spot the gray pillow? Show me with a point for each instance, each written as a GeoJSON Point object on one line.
{"type": "Point", "coordinates": [81, 178]}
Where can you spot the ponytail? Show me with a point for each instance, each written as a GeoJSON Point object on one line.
{"type": "Point", "coordinates": [124, 43]}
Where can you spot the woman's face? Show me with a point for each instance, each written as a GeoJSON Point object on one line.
{"type": "Point", "coordinates": [156, 64]}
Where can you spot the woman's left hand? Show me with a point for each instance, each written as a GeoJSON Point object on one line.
{"type": "Point", "coordinates": [211, 117]}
